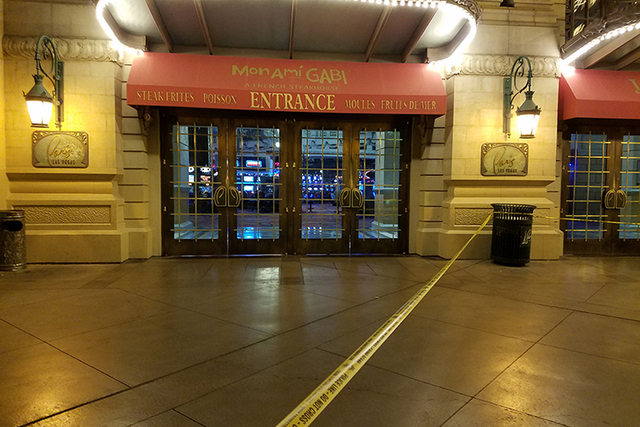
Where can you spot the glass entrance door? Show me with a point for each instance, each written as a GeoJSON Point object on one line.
{"type": "Point", "coordinates": [600, 195]}
{"type": "Point", "coordinates": [245, 186]}
{"type": "Point", "coordinates": [350, 197]}
{"type": "Point", "coordinates": [222, 187]}
{"type": "Point", "coordinates": [193, 164]}
{"type": "Point", "coordinates": [255, 225]}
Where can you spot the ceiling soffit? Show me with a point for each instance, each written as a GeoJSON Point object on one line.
{"type": "Point", "coordinates": [426, 31]}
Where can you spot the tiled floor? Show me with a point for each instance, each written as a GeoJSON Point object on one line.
{"type": "Point", "coordinates": [240, 342]}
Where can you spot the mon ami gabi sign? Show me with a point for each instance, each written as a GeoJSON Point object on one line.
{"type": "Point", "coordinates": [260, 84]}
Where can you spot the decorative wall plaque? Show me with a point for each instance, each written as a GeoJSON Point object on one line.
{"type": "Point", "coordinates": [501, 159]}
{"type": "Point", "coordinates": [60, 149]}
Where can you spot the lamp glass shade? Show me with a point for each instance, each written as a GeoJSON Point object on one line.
{"type": "Point", "coordinates": [40, 112]}
{"type": "Point", "coordinates": [528, 117]}
{"type": "Point", "coordinates": [39, 103]}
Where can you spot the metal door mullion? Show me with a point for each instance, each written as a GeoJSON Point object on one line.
{"type": "Point", "coordinates": [381, 162]}
{"type": "Point", "coordinates": [195, 181]}
{"type": "Point", "coordinates": [602, 185]}
{"type": "Point", "coordinates": [626, 190]}
{"type": "Point", "coordinates": [322, 186]}
{"type": "Point", "coordinates": [575, 177]}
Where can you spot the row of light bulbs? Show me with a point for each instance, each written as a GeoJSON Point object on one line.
{"type": "Point", "coordinates": [417, 3]}
{"type": "Point", "coordinates": [607, 36]}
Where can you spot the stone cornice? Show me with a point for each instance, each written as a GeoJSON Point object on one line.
{"type": "Point", "coordinates": [68, 49]}
{"type": "Point", "coordinates": [500, 65]}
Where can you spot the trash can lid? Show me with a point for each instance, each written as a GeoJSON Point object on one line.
{"type": "Point", "coordinates": [513, 208]}
{"type": "Point", "coordinates": [12, 214]}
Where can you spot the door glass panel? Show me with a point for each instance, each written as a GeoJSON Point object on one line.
{"type": "Point", "coordinates": [195, 178]}
{"type": "Point", "coordinates": [258, 180]}
{"type": "Point", "coordinates": [630, 184]}
{"type": "Point", "coordinates": [379, 182]}
{"type": "Point", "coordinates": [587, 184]}
{"type": "Point", "coordinates": [320, 184]}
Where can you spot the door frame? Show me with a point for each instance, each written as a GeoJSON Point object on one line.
{"type": "Point", "coordinates": [290, 149]}
{"type": "Point", "coordinates": [614, 129]}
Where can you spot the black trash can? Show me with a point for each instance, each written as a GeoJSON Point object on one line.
{"type": "Point", "coordinates": [511, 237]}
{"type": "Point", "coordinates": [13, 254]}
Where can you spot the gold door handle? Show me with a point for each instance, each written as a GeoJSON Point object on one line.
{"type": "Point", "coordinates": [621, 199]}
{"type": "Point", "coordinates": [351, 198]}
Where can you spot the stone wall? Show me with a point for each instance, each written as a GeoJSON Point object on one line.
{"type": "Point", "coordinates": [73, 214]}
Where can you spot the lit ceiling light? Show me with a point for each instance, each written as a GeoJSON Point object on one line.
{"type": "Point", "coordinates": [117, 44]}
{"type": "Point", "coordinates": [572, 58]}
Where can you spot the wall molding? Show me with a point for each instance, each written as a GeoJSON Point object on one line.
{"type": "Point", "coordinates": [500, 65]}
{"type": "Point", "coordinates": [66, 214]}
{"type": "Point", "coordinates": [476, 216]}
{"type": "Point", "coordinates": [68, 49]}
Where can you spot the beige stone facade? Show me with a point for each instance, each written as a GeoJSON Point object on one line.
{"type": "Point", "coordinates": [110, 211]}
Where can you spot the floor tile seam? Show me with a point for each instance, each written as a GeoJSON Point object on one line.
{"type": "Point", "coordinates": [125, 271]}
{"type": "Point", "coordinates": [467, 272]}
{"type": "Point", "coordinates": [188, 417]}
{"type": "Point", "coordinates": [102, 328]}
{"type": "Point", "coordinates": [132, 388]}
{"type": "Point", "coordinates": [41, 341]}
{"type": "Point", "coordinates": [73, 408]}
{"type": "Point", "coordinates": [595, 292]}
{"type": "Point", "coordinates": [372, 269]}
{"type": "Point", "coordinates": [513, 296]}
{"type": "Point", "coordinates": [570, 304]}
{"type": "Point", "coordinates": [476, 329]}
{"type": "Point", "coordinates": [400, 374]}
{"type": "Point", "coordinates": [51, 344]}
{"type": "Point", "coordinates": [599, 356]}
{"type": "Point", "coordinates": [323, 295]}
{"type": "Point", "coordinates": [285, 331]}
{"type": "Point", "coordinates": [48, 299]}
{"type": "Point", "coordinates": [263, 331]}
{"type": "Point", "coordinates": [519, 411]}
{"type": "Point", "coordinates": [474, 263]}
{"type": "Point", "coordinates": [166, 412]}
{"type": "Point", "coordinates": [612, 316]}
{"type": "Point", "coordinates": [377, 297]}
{"type": "Point", "coordinates": [513, 362]}
{"type": "Point", "coordinates": [230, 383]}
{"type": "Point", "coordinates": [191, 310]}
{"type": "Point", "coordinates": [533, 344]}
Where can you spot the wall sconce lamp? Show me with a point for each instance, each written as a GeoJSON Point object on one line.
{"type": "Point", "coordinates": [528, 113]}
{"type": "Point", "coordinates": [39, 101]}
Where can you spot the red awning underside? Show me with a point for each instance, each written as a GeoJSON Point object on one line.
{"type": "Point", "coordinates": [201, 81]}
{"type": "Point", "coordinates": [600, 94]}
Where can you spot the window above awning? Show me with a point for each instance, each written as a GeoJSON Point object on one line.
{"type": "Point", "coordinates": [261, 84]}
{"type": "Point", "coordinates": [600, 94]}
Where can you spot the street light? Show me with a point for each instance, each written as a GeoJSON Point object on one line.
{"type": "Point", "coordinates": [39, 101]}
{"type": "Point", "coordinates": [528, 113]}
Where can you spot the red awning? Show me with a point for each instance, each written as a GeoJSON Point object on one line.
{"type": "Point", "coordinates": [600, 94]}
{"type": "Point", "coordinates": [202, 81]}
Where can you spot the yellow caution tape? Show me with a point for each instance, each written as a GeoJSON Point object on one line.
{"type": "Point", "coordinates": [307, 411]}
{"type": "Point", "coordinates": [584, 220]}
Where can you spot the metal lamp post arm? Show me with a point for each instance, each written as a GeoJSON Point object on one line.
{"type": "Point", "coordinates": [45, 49]}
{"type": "Point", "coordinates": [517, 70]}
